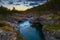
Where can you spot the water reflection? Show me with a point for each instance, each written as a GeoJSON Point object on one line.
{"type": "Point", "coordinates": [29, 32]}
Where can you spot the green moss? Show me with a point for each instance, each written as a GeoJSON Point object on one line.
{"type": "Point", "coordinates": [1, 16]}
{"type": "Point", "coordinates": [52, 27]}
{"type": "Point", "coordinates": [5, 26]}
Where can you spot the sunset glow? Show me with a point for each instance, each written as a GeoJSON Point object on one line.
{"type": "Point", "coordinates": [21, 5]}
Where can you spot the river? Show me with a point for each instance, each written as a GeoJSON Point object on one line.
{"type": "Point", "coordinates": [30, 32]}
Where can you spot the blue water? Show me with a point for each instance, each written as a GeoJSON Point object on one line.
{"type": "Point", "coordinates": [30, 32]}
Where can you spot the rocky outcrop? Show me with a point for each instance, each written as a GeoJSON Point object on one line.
{"type": "Point", "coordinates": [7, 35]}
{"type": "Point", "coordinates": [51, 35]}
{"type": "Point", "coordinates": [57, 35]}
{"type": "Point", "coordinates": [10, 31]}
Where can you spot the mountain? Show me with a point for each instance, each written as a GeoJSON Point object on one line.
{"type": "Point", "coordinates": [52, 5]}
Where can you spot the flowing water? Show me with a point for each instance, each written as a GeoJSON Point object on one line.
{"type": "Point", "coordinates": [30, 32]}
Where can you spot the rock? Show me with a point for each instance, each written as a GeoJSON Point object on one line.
{"type": "Point", "coordinates": [57, 35]}
{"type": "Point", "coordinates": [6, 35]}
{"type": "Point", "coordinates": [35, 21]}
{"type": "Point", "coordinates": [48, 36]}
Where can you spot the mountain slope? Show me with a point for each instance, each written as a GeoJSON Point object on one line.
{"type": "Point", "coordinates": [52, 5]}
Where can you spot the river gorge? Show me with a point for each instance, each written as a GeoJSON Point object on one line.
{"type": "Point", "coordinates": [30, 31]}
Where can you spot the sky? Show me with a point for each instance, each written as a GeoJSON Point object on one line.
{"type": "Point", "coordinates": [21, 5]}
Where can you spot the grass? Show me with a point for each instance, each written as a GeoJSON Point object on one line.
{"type": "Point", "coordinates": [1, 16]}
{"type": "Point", "coordinates": [52, 27]}
{"type": "Point", "coordinates": [5, 26]}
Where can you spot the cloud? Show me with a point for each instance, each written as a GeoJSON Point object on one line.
{"type": "Point", "coordinates": [19, 1]}
{"type": "Point", "coordinates": [32, 4]}
{"type": "Point", "coordinates": [35, 0]}
{"type": "Point", "coordinates": [23, 2]}
{"type": "Point", "coordinates": [16, 4]}
{"type": "Point", "coordinates": [10, 2]}
{"type": "Point", "coordinates": [0, 0]}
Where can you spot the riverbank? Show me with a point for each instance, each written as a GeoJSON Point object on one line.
{"type": "Point", "coordinates": [8, 31]}
{"type": "Point", "coordinates": [19, 36]}
{"type": "Point", "coordinates": [51, 34]}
